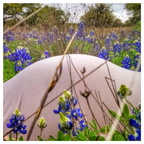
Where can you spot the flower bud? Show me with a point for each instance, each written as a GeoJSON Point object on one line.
{"type": "Point", "coordinates": [42, 123]}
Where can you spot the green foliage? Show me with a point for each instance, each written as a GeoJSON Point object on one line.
{"type": "Point", "coordinates": [15, 11]}
{"type": "Point", "coordinates": [137, 27]}
{"type": "Point", "coordinates": [99, 15]}
{"type": "Point", "coordinates": [117, 22]}
{"type": "Point", "coordinates": [124, 119]}
{"type": "Point", "coordinates": [60, 137]}
{"type": "Point", "coordinates": [8, 71]}
{"type": "Point", "coordinates": [135, 10]}
{"type": "Point", "coordinates": [48, 16]}
{"type": "Point", "coordinates": [21, 138]}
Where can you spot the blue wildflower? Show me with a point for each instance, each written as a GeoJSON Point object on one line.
{"type": "Point", "coordinates": [76, 113]}
{"type": "Point", "coordinates": [21, 57]}
{"type": "Point", "coordinates": [137, 44]}
{"type": "Point", "coordinates": [68, 115]}
{"type": "Point", "coordinates": [126, 63]}
{"type": "Point", "coordinates": [71, 31]}
{"type": "Point", "coordinates": [108, 43]}
{"type": "Point", "coordinates": [117, 47]}
{"type": "Point", "coordinates": [92, 33]}
{"type": "Point", "coordinates": [65, 123]}
{"type": "Point", "coordinates": [80, 33]}
{"type": "Point", "coordinates": [16, 120]}
{"type": "Point", "coordinates": [46, 54]}
{"type": "Point", "coordinates": [73, 101]}
{"type": "Point", "coordinates": [80, 127]}
{"type": "Point", "coordinates": [103, 53]}
{"type": "Point", "coordinates": [9, 36]}
{"type": "Point", "coordinates": [81, 26]}
{"type": "Point", "coordinates": [136, 124]}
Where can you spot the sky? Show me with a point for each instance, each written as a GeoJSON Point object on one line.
{"type": "Point", "coordinates": [78, 9]}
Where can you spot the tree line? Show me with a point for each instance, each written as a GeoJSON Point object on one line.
{"type": "Point", "coordinates": [98, 15]}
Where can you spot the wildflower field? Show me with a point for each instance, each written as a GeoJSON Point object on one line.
{"type": "Point", "coordinates": [21, 49]}
{"type": "Point", "coordinates": [24, 46]}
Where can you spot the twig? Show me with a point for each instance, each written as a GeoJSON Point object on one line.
{"type": "Point", "coordinates": [23, 20]}
{"type": "Point", "coordinates": [51, 85]}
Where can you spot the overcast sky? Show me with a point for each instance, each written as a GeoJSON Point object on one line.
{"type": "Point", "coordinates": [78, 9]}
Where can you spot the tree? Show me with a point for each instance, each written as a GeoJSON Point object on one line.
{"type": "Point", "coordinates": [49, 16]}
{"type": "Point", "coordinates": [99, 15]}
{"type": "Point", "coordinates": [117, 22]}
{"type": "Point", "coordinates": [134, 9]}
{"type": "Point", "coordinates": [16, 11]}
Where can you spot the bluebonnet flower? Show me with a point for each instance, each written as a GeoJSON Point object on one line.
{"type": "Point", "coordinates": [114, 36]}
{"type": "Point", "coordinates": [92, 33]}
{"type": "Point", "coordinates": [126, 46]}
{"type": "Point", "coordinates": [16, 120]}
{"type": "Point", "coordinates": [34, 35]}
{"type": "Point", "coordinates": [68, 114]}
{"type": "Point", "coordinates": [9, 36]}
{"type": "Point", "coordinates": [117, 47]}
{"type": "Point", "coordinates": [6, 51]}
{"type": "Point", "coordinates": [73, 101]}
{"type": "Point", "coordinates": [108, 43]}
{"type": "Point", "coordinates": [103, 53]}
{"type": "Point", "coordinates": [124, 91]}
{"type": "Point", "coordinates": [135, 138]}
{"type": "Point", "coordinates": [50, 37]}
{"type": "Point", "coordinates": [81, 26]}
{"type": "Point", "coordinates": [18, 66]}
{"type": "Point", "coordinates": [136, 124]}
{"type": "Point", "coordinates": [136, 61]}
{"type": "Point", "coordinates": [89, 39]}
{"type": "Point", "coordinates": [80, 127]}
{"type": "Point", "coordinates": [5, 48]}
{"type": "Point", "coordinates": [126, 63]}
{"type": "Point", "coordinates": [21, 57]}
{"type": "Point", "coordinates": [96, 46]}
{"type": "Point", "coordinates": [46, 54]}
{"type": "Point", "coordinates": [65, 123]}
{"type": "Point", "coordinates": [71, 31]}
{"type": "Point", "coordinates": [80, 33]}
{"type": "Point", "coordinates": [76, 113]}
{"type": "Point", "coordinates": [67, 37]}
{"type": "Point", "coordinates": [42, 123]}
{"type": "Point", "coordinates": [137, 44]}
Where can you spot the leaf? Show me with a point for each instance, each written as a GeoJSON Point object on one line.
{"type": "Point", "coordinates": [60, 135]}
{"type": "Point", "coordinates": [10, 138]}
{"type": "Point", "coordinates": [81, 136]}
{"type": "Point", "coordinates": [92, 133]}
{"type": "Point", "coordinates": [105, 129]}
{"type": "Point", "coordinates": [113, 114]}
{"type": "Point", "coordinates": [21, 138]}
{"type": "Point", "coordinates": [126, 110]}
{"type": "Point", "coordinates": [86, 131]}
{"type": "Point", "coordinates": [100, 138]}
{"type": "Point", "coordinates": [92, 138]}
{"type": "Point", "coordinates": [117, 136]}
{"type": "Point", "coordinates": [40, 139]}
{"type": "Point", "coordinates": [67, 138]}
{"type": "Point", "coordinates": [93, 125]}
{"type": "Point", "coordinates": [51, 138]}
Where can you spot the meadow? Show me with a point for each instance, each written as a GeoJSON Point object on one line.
{"type": "Point", "coordinates": [22, 47]}
{"type": "Point", "coordinates": [121, 46]}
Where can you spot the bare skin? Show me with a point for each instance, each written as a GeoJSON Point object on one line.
{"type": "Point", "coordinates": [27, 88]}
